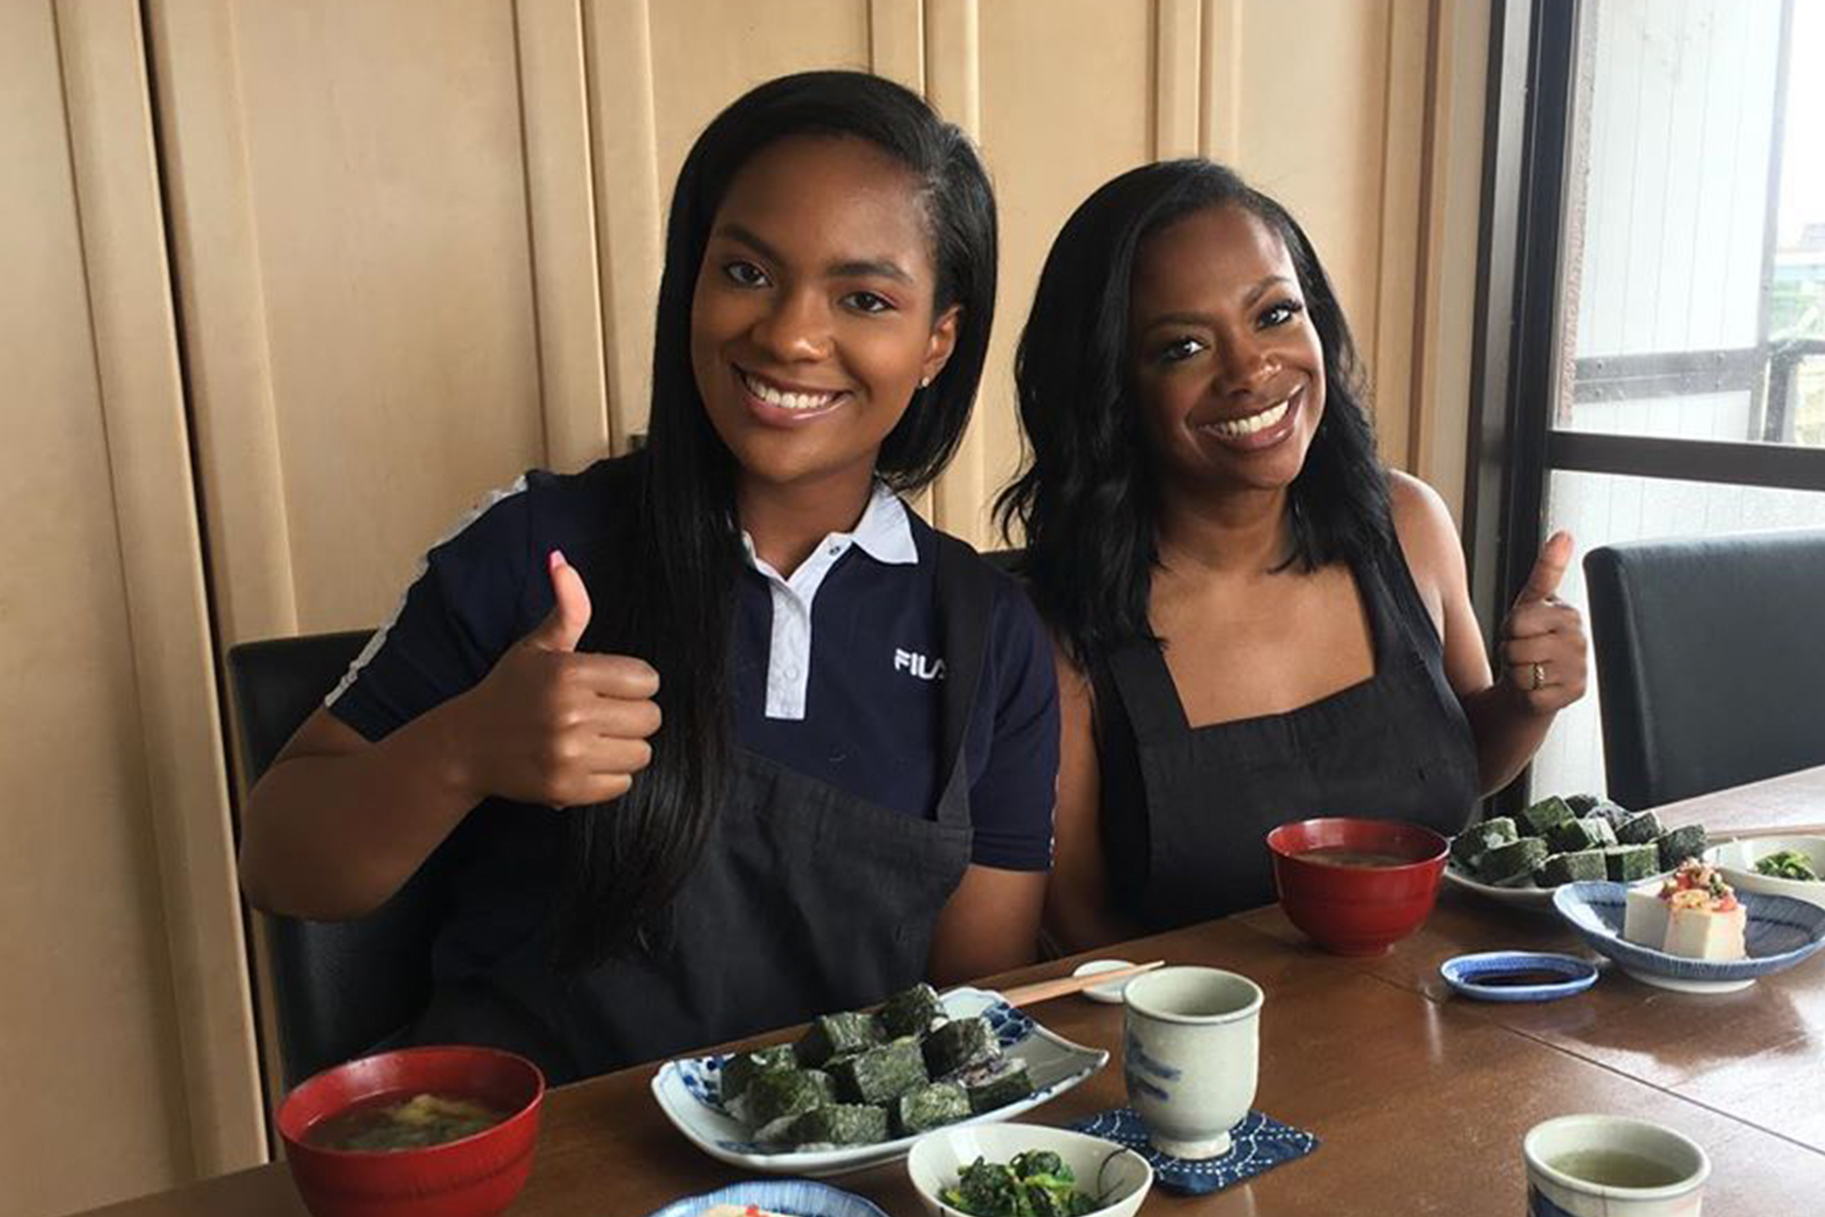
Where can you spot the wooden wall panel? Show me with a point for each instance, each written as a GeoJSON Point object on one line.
{"type": "Point", "coordinates": [372, 158]}
{"type": "Point", "coordinates": [127, 1053]}
{"type": "Point", "coordinates": [1050, 140]}
{"type": "Point", "coordinates": [708, 52]}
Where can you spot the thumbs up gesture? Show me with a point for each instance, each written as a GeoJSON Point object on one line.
{"type": "Point", "coordinates": [1542, 647]}
{"type": "Point", "coordinates": [549, 725]}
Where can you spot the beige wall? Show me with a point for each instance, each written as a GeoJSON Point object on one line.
{"type": "Point", "coordinates": [413, 246]}
{"type": "Point", "coordinates": [126, 1042]}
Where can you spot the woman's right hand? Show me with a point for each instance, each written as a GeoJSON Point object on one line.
{"type": "Point", "coordinates": [550, 725]}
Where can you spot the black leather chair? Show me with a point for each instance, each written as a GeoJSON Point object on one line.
{"type": "Point", "coordinates": [1710, 656]}
{"type": "Point", "coordinates": [342, 987]}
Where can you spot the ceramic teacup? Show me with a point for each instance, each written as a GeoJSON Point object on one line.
{"type": "Point", "coordinates": [1191, 1052]}
{"type": "Point", "coordinates": [1612, 1166]}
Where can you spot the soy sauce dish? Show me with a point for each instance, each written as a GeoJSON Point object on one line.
{"type": "Point", "coordinates": [1516, 976]}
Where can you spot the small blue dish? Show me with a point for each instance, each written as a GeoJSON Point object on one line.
{"type": "Point", "coordinates": [1780, 932]}
{"type": "Point", "coordinates": [800, 1197]}
{"type": "Point", "coordinates": [1481, 975]}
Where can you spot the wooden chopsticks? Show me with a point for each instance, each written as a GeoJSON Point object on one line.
{"type": "Point", "coordinates": [1046, 990]}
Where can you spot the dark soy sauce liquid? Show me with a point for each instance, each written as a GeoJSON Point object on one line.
{"type": "Point", "coordinates": [1521, 979]}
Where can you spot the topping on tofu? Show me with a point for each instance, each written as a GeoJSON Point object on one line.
{"type": "Point", "coordinates": [1693, 913]}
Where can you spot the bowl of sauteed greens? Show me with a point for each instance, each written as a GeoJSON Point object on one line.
{"type": "Point", "coordinates": [1026, 1170]}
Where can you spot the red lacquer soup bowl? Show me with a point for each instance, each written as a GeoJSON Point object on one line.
{"type": "Point", "coordinates": [1356, 886]}
{"type": "Point", "coordinates": [472, 1176]}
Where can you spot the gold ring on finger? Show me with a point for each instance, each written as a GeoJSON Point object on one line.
{"type": "Point", "coordinates": [1537, 677]}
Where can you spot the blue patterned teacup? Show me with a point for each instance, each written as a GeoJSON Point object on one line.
{"type": "Point", "coordinates": [1192, 1049]}
{"type": "Point", "coordinates": [1612, 1166]}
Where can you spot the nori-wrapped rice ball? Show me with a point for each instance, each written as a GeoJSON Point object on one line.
{"type": "Point", "coordinates": [1571, 867]}
{"type": "Point", "coordinates": [782, 1093]}
{"type": "Point", "coordinates": [959, 1044]}
{"type": "Point", "coordinates": [1572, 836]}
{"type": "Point", "coordinates": [1639, 829]}
{"type": "Point", "coordinates": [911, 1012]}
{"type": "Point", "coordinates": [1678, 844]}
{"type": "Point", "coordinates": [929, 1107]}
{"type": "Point", "coordinates": [1614, 813]}
{"type": "Point", "coordinates": [834, 1035]}
{"type": "Point", "coordinates": [881, 1074]}
{"type": "Point", "coordinates": [1539, 819]}
{"type": "Point", "coordinates": [839, 1124]}
{"type": "Point", "coordinates": [739, 1070]}
{"type": "Point", "coordinates": [995, 1083]}
{"type": "Point", "coordinates": [1629, 863]}
{"type": "Point", "coordinates": [1469, 846]}
{"type": "Point", "coordinates": [1516, 860]}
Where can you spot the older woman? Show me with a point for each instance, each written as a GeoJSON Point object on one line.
{"type": "Point", "coordinates": [1255, 621]}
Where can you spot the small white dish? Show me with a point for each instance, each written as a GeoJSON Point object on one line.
{"type": "Point", "coordinates": [689, 1093]}
{"type": "Point", "coordinates": [1111, 993]}
{"type": "Point", "coordinates": [1780, 933]}
{"type": "Point", "coordinates": [1737, 859]}
{"type": "Point", "coordinates": [1117, 1176]}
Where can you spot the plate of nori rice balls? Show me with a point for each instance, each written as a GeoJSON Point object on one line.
{"type": "Point", "coordinates": [860, 1086]}
{"type": "Point", "coordinates": [1520, 860]}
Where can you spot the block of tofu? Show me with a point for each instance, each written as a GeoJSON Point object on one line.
{"type": "Point", "coordinates": [1701, 932]}
{"type": "Point", "coordinates": [1644, 920]}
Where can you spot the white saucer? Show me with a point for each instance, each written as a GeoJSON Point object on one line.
{"type": "Point", "coordinates": [1110, 993]}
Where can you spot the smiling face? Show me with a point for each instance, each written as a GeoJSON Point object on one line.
{"type": "Point", "coordinates": [812, 322]}
{"type": "Point", "coordinates": [1223, 358]}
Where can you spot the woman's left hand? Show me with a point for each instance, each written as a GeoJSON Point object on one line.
{"type": "Point", "coordinates": [1542, 647]}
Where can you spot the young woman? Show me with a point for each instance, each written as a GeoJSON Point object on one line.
{"type": "Point", "coordinates": [1255, 621]}
{"type": "Point", "coordinates": [803, 747]}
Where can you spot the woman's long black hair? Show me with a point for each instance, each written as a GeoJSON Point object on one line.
{"type": "Point", "coordinates": [628, 859]}
{"type": "Point", "coordinates": [1087, 498]}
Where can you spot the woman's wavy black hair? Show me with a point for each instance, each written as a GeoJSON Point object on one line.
{"type": "Point", "coordinates": [1087, 498]}
{"type": "Point", "coordinates": [629, 859]}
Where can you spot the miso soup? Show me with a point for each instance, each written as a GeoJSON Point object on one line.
{"type": "Point", "coordinates": [1615, 1168]}
{"type": "Point", "coordinates": [392, 1122]}
{"type": "Point", "coordinates": [1343, 855]}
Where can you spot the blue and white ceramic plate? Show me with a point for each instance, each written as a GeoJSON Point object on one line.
{"type": "Point", "coordinates": [689, 1091]}
{"type": "Point", "coordinates": [1475, 975]}
{"type": "Point", "coordinates": [1780, 933]}
{"type": "Point", "coordinates": [796, 1197]}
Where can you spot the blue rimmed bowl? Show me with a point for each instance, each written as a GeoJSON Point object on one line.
{"type": "Point", "coordinates": [805, 1197]}
{"type": "Point", "coordinates": [1479, 975]}
{"type": "Point", "coordinates": [1780, 932]}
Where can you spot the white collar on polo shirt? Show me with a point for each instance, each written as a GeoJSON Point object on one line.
{"type": "Point", "coordinates": [883, 533]}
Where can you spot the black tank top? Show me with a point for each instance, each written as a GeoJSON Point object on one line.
{"type": "Point", "coordinates": [1185, 810]}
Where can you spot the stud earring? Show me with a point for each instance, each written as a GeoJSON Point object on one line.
{"type": "Point", "coordinates": [925, 382]}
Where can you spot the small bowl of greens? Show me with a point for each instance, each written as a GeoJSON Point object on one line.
{"type": "Point", "coordinates": [1776, 866]}
{"type": "Point", "coordinates": [1026, 1170]}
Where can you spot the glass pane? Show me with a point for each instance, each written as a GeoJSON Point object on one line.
{"type": "Point", "coordinates": [1695, 222]}
{"type": "Point", "coordinates": [1602, 508]}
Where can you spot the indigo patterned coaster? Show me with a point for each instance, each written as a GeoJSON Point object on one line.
{"type": "Point", "coordinates": [1261, 1143]}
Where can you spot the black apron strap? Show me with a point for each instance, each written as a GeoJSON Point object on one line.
{"type": "Point", "coordinates": [1148, 694]}
{"type": "Point", "coordinates": [966, 600]}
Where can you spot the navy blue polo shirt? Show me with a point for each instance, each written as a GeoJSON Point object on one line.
{"type": "Point", "coordinates": [837, 668]}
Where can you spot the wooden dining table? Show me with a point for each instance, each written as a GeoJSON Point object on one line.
{"type": "Point", "coordinates": [1419, 1097]}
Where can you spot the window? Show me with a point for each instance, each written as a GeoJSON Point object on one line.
{"type": "Point", "coordinates": [1654, 336]}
